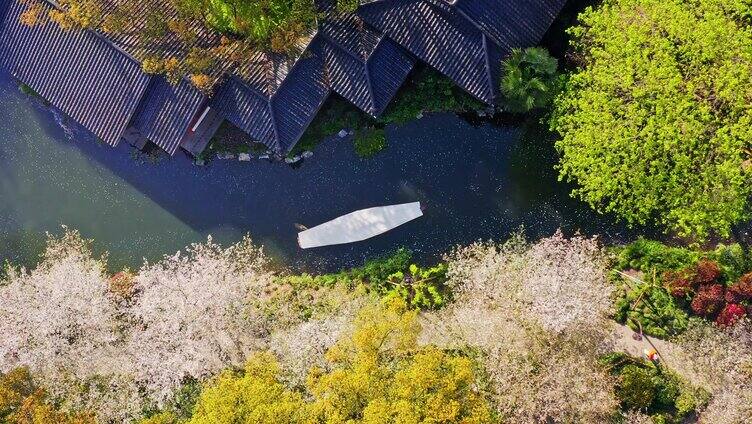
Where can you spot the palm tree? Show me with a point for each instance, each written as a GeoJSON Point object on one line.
{"type": "Point", "coordinates": [530, 80]}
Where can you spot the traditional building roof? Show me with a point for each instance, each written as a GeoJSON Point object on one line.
{"type": "Point", "coordinates": [363, 66]}
{"type": "Point", "coordinates": [463, 39]}
{"type": "Point", "coordinates": [80, 73]}
{"type": "Point", "coordinates": [364, 57]}
{"type": "Point", "coordinates": [276, 116]}
{"type": "Point", "coordinates": [166, 112]}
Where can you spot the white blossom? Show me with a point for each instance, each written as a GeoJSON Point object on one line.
{"type": "Point", "coordinates": [194, 314]}
{"type": "Point", "coordinates": [536, 315]}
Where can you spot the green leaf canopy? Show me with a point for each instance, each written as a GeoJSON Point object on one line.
{"type": "Point", "coordinates": [656, 123]}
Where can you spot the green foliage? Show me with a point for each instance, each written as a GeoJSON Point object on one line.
{"type": "Point", "coordinates": [428, 91]}
{"type": "Point", "coordinates": [335, 115]}
{"type": "Point", "coordinates": [25, 89]}
{"type": "Point", "coordinates": [181, 405]}
{"type": "Point", "coordinates": [391, 276]}
{"type": "Point", "coordinates": [663, 294]}
{"type": "Point", "coordinates": [531, 80]}
{"type": "Point", "coordinates": [636, 389]}
{"type": "Point", "coordinates": [733, 260]}
{"type": "Point", "coordinates": [379, 269]}
{"type": "Point", "coordinates": [644, 386]}
{"type": "Point", "coordinates": [654, 258]}
{"type": "Point", "coordinates": [348, 6]}
{"type": "Point", "coordinates": [649, 256]}
{"type": "Point", "coordinates": [656, 123]}
{"type": "Point", "coordinates": [369, 141]}
{"type": "Point", "coordinates": [649, 305]}
{"type": "Point", "coordinates": [271, 24]}
{"type": "Point", "coordinates": [420, 287]}
{"type": "Point", "coordinates": [378, 374]}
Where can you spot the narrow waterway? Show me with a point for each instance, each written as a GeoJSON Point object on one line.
{"type": "Point", "coordinates": [477, 183]}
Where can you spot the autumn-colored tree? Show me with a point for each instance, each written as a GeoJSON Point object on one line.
{"type": "Point", "coordinates": [656, 124]}
{"type": "Point", "coordinates": [195, 39]}
{"type": "Point", "coordinates": [378, 374]}
{"type": "Point", "coordinates": [21, 402]}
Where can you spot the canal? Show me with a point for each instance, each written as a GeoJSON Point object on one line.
{"type": "Point", "coordinates": [477, 182]}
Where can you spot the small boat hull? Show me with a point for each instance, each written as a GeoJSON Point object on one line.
{"type": "Point", "coordinates": [359, 225]}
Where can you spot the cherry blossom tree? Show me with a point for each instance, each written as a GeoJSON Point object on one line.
{"type": "Point", "coordinates": [537, 314]}
{"type": "Point", "coordinates": [194, 314]}
{"type": "Point", "coordinates": [719, 359]}
{"type": "Point", "coordinates": [59, 320]}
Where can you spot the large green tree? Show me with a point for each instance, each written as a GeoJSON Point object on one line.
{"type": "Point", "coordinates": [656, 122]}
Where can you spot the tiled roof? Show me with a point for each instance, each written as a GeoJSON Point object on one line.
{"type": "Point", "coordinates": [443, 40]}
{"type": "Point", "coordinates": [511, 24]}
{"type": "Point", "coordinates": [364, 57]}
{"type": "Point", "coordinates": [464, 39]}
{"type": "Point", "coordinates": [298, 100]}
{"type": "Point", "coordinates": [362, 65]}
{"type": "Point", "coordinates": [247, 109]}
{"type": "Point", "coordinates": [77, 71]}
{"type": "Point", "coordinates": [166, 112]}
{"type": "Point", "coordinates": [276, 119]}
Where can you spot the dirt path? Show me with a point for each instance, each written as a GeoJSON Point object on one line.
{"type": "Point", "coordinates": [622, 340]}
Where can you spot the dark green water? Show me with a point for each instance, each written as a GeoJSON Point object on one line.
{"type": "Point", "coordinates": [477, 183]}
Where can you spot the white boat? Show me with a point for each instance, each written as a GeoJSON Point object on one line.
{"type": "Point", "coordinates": [359, 225]}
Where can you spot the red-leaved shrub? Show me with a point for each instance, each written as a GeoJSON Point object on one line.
{"type": "Point", "coordinates": [706, 272]}
{"type": "Point", "coordinates": [679, 283]}
{"type": "Point", "coordinates": [741, 290]}
{"type": "Point", "coordinates": [709, 300]}
{"type": "Point", "coordinates": [730, 314]}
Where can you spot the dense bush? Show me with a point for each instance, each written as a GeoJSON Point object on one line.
{"type": "Point", "coordinates": [644, 386]}
{"type": "Point", "coordinates": [708, 301]}
{"type": "Point", "coordinates": [673, 282]}
{"type": "Point", "coordinates": [647, 306]}
{"type": "Point", "coordinates": [741, 290]}
{"type": "Point", "coordinates": [636, 389]}
{"type": "Point", "coordinates": [530, 80]}
{"type": "Point", "coordinates": [428, 91]}
{"type": "Point", "coordinates": [390, 276]}
{"type": "Point", "coordinates": [649, 255]}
